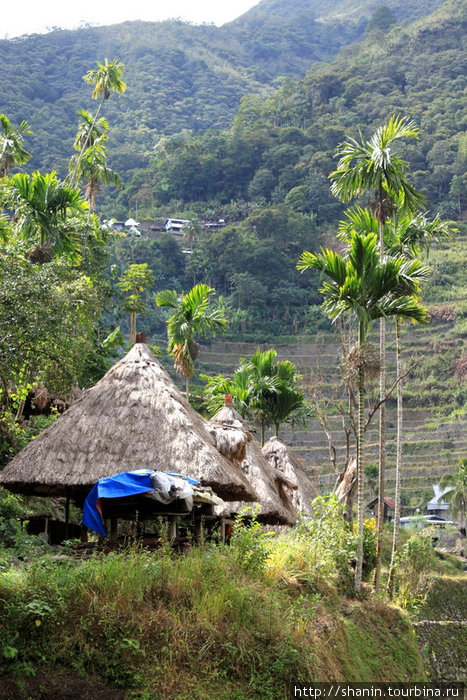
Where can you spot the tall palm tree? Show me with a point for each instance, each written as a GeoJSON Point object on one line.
{"type": "Point", "coordinates": [12, 151]}
{"type": "Point", "coordinates": [93, 171]}
{"type": "Point", "coordinates": [42, 207]}
{"type": "Point", "coordinates": [91, 166]}
{"type": "Point", "coordinates": [371, 167]}
{"type": "Point", "coordinates": [191, 316]}
{"type": "Point", "coordinates": [107, 78]}
{"type": "Point", "coordinates": [89, 130]}
{"type": "Point", "coordinates": [408, 236]}
{"type": "Point", "coordinates": [362, 284]}
{"type": "Point", "coordinates": [457, 492]}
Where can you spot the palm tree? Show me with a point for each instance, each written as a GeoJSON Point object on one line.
{"type": "Point", "coordinates": [89, 130]}
{"type": "Point", "coordinates": [370, 288]}
{"type": "Point", "coordinates": [274, 394]}
{"type": "Point", "coordinates": [93, 171]}
{"type": "Point", "coordinates": [12, 151]}
{"type": "Point", "coordinates": [191, 316]}
{"type": "Point", "coordinates": [457, 493]}
{"type": "Point", "coordinates": [42, 207]}
{"type": "Point", "coordinates": [107, 78]}
{"type": "Point", "coordinates": [370, 166]}
{"type": "Point", "coordinates": [90, 166]}
{"type": "Point", "coordinates": [263, 389]}
{"type": "Point", "coordinates": [408, 236]}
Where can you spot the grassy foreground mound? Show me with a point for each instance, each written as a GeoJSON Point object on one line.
{"type": "Point", "coordinates": [217, 622]}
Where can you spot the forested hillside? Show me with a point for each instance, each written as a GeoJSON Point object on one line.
{"type": "Point", "coordinates": [281, 149]}
{"type": "Point", "coordinates": [180, 76]}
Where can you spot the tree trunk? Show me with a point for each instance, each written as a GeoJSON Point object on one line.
{"type": "Point", "coordinates": [360, 441]}
{"type": "Point", "coordinates": [187, 387]}
{"type": "Point", "coordinates": [397, 497]}
{"type": "Point", "coordinates": [382, 430]}
{"type": "Point", "coordinates": [132, 339]}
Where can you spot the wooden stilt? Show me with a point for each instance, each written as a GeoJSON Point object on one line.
{"type": "Point", "coordinates": [223, 530]}
{"type": "Point", "coordinates": [114, 530]}
{"type": "Point", "coordinates": [172, 527]}
{"type": "Point", "coordinates": [67, 515]}
{"type": "Point", "coordinates": [198, 531]}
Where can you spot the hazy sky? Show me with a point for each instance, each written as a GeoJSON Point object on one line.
{"type": "Point", "coordinates": [31, 16]}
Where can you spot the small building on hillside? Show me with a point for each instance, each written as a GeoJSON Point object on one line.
{"type": "Point", "coordinates": [175, 226]}
{"type": "Point", "coordinates": [437, 506]}
{"type": "Point", "coordinates": [152, 228]}
{"type": "Point", "coordinates": [388, 508]}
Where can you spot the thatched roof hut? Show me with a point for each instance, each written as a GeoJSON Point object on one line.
{"type": "Point", "coordinates": [133, 418]}
{"type": "Point", "coordinates": [233, 439]}
{"type": "Point", "coordinates": [282, 458]}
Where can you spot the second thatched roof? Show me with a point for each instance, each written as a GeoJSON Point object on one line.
{"type": "Point", "coordinates": [133, 418]}
{"type": "Point", "coordinates": [282, 458]}
{"type": "Point", "coordinates": [233, 439]}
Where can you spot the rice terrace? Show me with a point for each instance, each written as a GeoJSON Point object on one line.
{"type": "Point", "coordinates": [233, 352]}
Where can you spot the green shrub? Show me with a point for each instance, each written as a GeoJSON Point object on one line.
{"type": "Point", "coordinates": [250, 542]}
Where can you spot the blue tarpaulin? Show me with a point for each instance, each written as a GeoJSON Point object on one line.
{"type": "Point", "coordinates": [118, 486]}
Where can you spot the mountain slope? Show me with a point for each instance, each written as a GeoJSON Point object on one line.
{"type": "Point", "coordinates": [179, 76]}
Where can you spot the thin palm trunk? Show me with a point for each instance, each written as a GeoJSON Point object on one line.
{"type": "Point", "coordinates": [397, 498]}
{"type": "Point", "coordinates": [360, 443]}
{"type": "Point", "coordinates": [187, 387]}
{"type": "Point", "coordinates": [382, 429]}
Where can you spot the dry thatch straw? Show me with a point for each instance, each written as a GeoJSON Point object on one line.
{"type": "Point", "coordinates": [365, 356]}
{"type": "Point", "coordinates": [282, 458]}
{"type": "Point", "coordinates": [233, 439]}
{"type": "Point", "coordinates": [133, 418]}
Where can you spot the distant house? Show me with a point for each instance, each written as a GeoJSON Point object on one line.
{"type": "Point", "coordinates": [437, 506]}
{"type": "Point", "coordinates": [153, 228]}
{"type": "Point", "coordinates": [130, 227]}
{"type": "Point", "coordinates": [175, 226]}
{"type": "Point", "coordinates": [388, 509]}
{"type": "Point", "coordinates": [214, 225]}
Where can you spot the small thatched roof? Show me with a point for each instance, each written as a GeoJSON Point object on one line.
{"type": "Point", "coordinates": [282, 458]}
{"type": "Point", "coordinates": [133, 418]}
{"type": "Point", "coordinates": [273, 487]}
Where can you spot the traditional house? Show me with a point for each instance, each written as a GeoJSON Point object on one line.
{"type": "Point", "coordinates": [274, 488]}
{"type": "Point", "coordinates": [283, 460]}
{"type": "Point", "coordinates": [133, 418]}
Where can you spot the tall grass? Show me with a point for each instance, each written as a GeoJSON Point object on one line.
{"type": "Point", "coordinates": [220, 622]}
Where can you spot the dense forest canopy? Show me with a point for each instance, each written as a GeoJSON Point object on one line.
{"type": "Point", "coordinates": [266, 175]}
{"type": "Point", "coordinates": [180, 76]}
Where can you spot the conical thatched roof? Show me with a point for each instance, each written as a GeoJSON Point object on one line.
{"type": "Point", "coordinates": [282, 458]}
{"type": "Point", "coordinates": [273, 487]}
{"type": "Point", "coordinates": [133, 418]}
